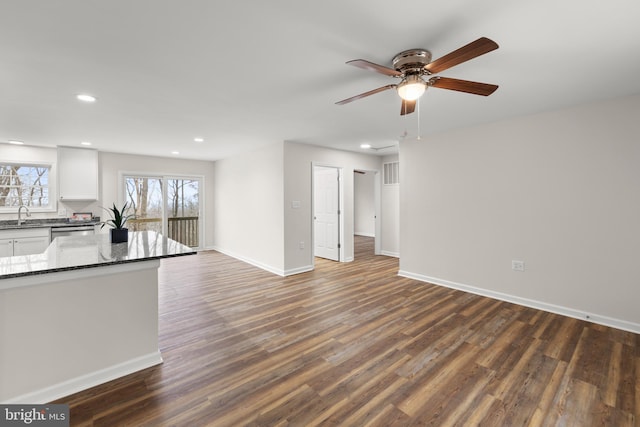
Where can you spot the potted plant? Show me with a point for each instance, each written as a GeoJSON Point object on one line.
{"type": "Point", "coordinates": [119, 233]}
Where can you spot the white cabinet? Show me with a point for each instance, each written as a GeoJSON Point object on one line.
{"type": "Point", "coordinates": [77, 174]}
{"type": "Point", "coordinates": [24, 242]}
{"type": "Point", "coordinates": [6, 247]}
{"type": "Point", "coordinates": [30, 245]}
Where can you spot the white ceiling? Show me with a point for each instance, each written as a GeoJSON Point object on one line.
{"type": "Point", "coordinates": [244, 74]}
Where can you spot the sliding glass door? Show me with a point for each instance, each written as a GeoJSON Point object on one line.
{"type": "Point", "coordinates": [144, 195]}
{"type": "Point", "coordinates": [183, 213]}
{"type": "Point", "coordinates": [167, 205]}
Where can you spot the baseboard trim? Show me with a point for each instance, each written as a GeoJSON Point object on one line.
{"type": "Point", "coordinates": [298, 270]}
{"type": "Point", "coordinates": [357, 233]}
{"type": "Point", "coordinates": [266, 267]}
{"type": "Point", "coordinates": [540, 305]}
{"type": "Point", "coordinates": [87, 381]}
{"type": "Point", "coordinates": [392, 254]}
{"type": "Point", "coordinates": [262, 266]}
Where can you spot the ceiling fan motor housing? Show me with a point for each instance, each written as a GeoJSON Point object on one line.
{"type": "Point", "coordinates": [412, 61]}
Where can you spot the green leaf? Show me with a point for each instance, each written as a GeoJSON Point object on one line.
{"type": "Point", "coordinates": [118, 216]}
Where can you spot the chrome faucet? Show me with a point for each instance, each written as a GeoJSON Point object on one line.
{"type": "Point", "coordinates": [20, 220]}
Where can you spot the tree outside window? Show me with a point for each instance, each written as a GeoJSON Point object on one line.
{"type": "Point", "coordinates": [165, 205]}
{"type": "Point", "coordinates": [22, 184]}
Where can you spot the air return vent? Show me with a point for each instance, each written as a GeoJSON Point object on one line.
{"type": "Point", "coordinates": [391, 173]}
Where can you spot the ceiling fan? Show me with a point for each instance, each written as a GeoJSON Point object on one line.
{"type": "Point", "coordinates": [412, 65]}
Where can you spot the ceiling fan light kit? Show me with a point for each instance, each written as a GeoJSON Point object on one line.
{"type": "Point", "coordinates": [411, 88]}
{"type": "Point", "coordinates": [411, 65]}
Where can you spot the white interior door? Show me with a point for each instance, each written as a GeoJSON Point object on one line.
{"type": "Point", "coordinates": [326, 214]}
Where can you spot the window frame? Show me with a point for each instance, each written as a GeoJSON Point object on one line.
{"type": "Point", "coordinates": [51, 186]}
{"type": "Point", "coordinates": [165, 177]}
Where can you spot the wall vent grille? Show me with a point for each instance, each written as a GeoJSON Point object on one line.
{"type": "Point", "coordinates": [391, 173]}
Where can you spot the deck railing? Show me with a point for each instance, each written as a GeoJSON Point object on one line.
{"type": "Point", "coordinates": [182, 229]}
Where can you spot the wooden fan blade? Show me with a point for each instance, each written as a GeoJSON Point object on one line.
{"type": "Point", "coordinates": [467, 86]}
{"type": "Point", "coordinates": [465, 53]}
{"type": "Point", "coordinates": [362, 95]}
{"type": "Point", "coordinates": [366, 65]}
{"type": "Point", "coordinates": [407, 107]}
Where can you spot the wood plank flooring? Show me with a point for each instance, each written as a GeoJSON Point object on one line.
{"type": "Point", "coordinates": [355, 345]}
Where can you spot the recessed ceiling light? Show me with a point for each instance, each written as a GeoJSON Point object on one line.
{"type": "Point", "coordinates": [198, 139]}
{"type": "Point", "coordinates": [365, 145]}
{"type": "Point", "coordinates": [15, 142]}
{"type": "Point", "coordinates": [86, 98]}
{"type": "Point", "coordinates": [175, 152]}
{"type": "Point", "coordinates": [85, 143]}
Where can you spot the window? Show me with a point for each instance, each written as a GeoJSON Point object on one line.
{"type": "Point", "coordinates": [391, 173]}
{"type": "Point", "coordinates": [24, 184]}
{"type": "Point", "coordinates": [167, 205]}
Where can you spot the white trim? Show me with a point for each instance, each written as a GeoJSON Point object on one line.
{"type": "Point", "coordinates": [389, 253]}
{"type": "Point", "coordinates": [270, 269]}
{"type": "Point", "coordinates": [377, 195]}
{"type": "Point", "coordinates": [87, 381]}
{"type": "Point", "coordinates": [540, 305]}
{"type": "Point", "coordinates": [357, 233]}
{"type": "Point", "coordinates": [341, 218]}
{"type": "Point", "coordinates": [298, 270]}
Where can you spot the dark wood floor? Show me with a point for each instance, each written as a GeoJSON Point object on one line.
{"type": "Point", "coordinates": [353, 345]}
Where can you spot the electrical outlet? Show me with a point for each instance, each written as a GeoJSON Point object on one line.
{"type": "Point", "coordinates": [62, 212]}
{"type": "Point", "coordinates": [517, 265]}
{"type": "Point", "coordinates": [301, 245]}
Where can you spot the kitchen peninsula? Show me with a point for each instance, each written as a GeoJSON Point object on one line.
{"type": "Point", "coordinates": [82, 313]}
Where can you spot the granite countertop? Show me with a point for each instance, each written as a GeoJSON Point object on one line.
{"type": "Point", "coordinates": [77, 252]}
{"type": "Point", "coordinates": [45, 223]}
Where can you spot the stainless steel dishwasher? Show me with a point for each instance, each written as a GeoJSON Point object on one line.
{"type": "Point", "coordinates": [78, 230]}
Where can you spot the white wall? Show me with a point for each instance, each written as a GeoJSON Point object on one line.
{"type": "Point", "coordinates": [390, 196]}
{"type": "Point", "coordinates": [248, 216]}
{"type": "Point", "coordinates": [245, 205]}
{"type": "Point", "coordinates": [27, 154]}
{"type": "Point", "coordinates": [255, 218]}
{"type": "Point", "coordinates": [364, 209]}
{"type": "Point", "coordinates": [557, 190]}
{"type": "Point", "coordinates": [111, 164]}
{"type": "Point", "coordinates": [298, 162]}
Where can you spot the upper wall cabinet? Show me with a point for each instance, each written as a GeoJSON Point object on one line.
{"type": "Point", "coordinates": [77, 174]}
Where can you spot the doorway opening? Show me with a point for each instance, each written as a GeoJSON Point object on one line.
{"type": "Point", "coordinates": [366, 208]}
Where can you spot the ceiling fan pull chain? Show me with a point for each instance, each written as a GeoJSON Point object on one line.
{"type": "Point", "coordinates": [419, 132]}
